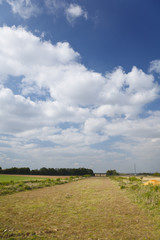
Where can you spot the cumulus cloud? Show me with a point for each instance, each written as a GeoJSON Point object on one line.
{"type": "Point", "coordinates": [75, 11]}
{"type": "Point", "coordinates": [62, 109]}
{"type": "Point", "coordinates": [56, 70]}
{"type": "Point", "coordinates": [25, 8]}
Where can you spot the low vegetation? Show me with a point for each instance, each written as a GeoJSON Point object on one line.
{"type": "Point", "coordinates": [17, 178]}
{"type": "Point", "coordinates": [112, 173]}
{"type": "Point", "coordinates": [92, 209]}
{"type": "Point", "coordinates": [148, 195]}
{"type": "Point", "coordinates": [13, 184]}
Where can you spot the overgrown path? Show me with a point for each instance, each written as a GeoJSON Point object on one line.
{"type": "Point", "coordinates": [93, 208]}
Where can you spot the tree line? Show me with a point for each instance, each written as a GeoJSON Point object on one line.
{"type": "Point", "coordinates": [112, 173]}
{"type": "Point", "coordinates": [48, 171]}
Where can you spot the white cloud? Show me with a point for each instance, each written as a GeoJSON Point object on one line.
{"type": "Point", "coordinates": [75, 11]}
{"type": "Point", "coordinates": [25, 8]}
{"type": "Point", "coordinates": [29, 8]}
{"type": "Point", "coordinates": [74, 107]}
{"type": "Point", "coordinates": [126, 93]}
{"type": "Point", "coordinates": [155, 66]}
{"type": "Point", "coordinates": [148, 127]}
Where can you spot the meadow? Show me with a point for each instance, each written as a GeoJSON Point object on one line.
{"type": "Point", "coordinates": [17, 178]}
{"type": "Point", "coordinates": [91, 209]}
{"type": "Point", "coordinates": [10, 184]}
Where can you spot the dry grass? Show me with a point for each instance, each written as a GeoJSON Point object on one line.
{"type": "Point", "coordinates": [93, 208]}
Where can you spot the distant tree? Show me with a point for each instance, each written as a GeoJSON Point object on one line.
{"type": "Point", "coordinates": [24, 170]}
{"type": "Point", "coordinates": [43, 171]}
{"type": "Point", "coordinates": [34, 172]}
{"type": "Point", "coordinates": [145, 173]}
{"type": "Point", "coordinates": [49, 171]}
{"type": "Point", "coordinates": [112, 173]}
{"type": "Point", "coordinates": [15, 170]}
{"type": "Point", "coordinates": [12, 170]}
{"type": "Point", "coordinates": [156, 174]}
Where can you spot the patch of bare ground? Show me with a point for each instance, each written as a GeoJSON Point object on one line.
{"type": "Point", "coordinates": [89, 209]}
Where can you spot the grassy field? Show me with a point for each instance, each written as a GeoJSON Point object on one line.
{"type": "Point", "coordinates": [8, 178]}
{"type": "Point", "coordinates": [90, 209]}
{"type": "Point", "coordinates": [10, 184]}
{"type": "Point", "coordinates": [17, 178]}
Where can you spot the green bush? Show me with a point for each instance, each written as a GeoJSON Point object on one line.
{"type": "Point", "coordinates": [112, 173]}
{"type": "Point", "coordinates": [156, 174]}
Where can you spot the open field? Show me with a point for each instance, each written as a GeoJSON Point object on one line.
{"type": "Point", "coordinates": [13, 184]}
{"type": "Point", "coordinates": [17, 178]}
{"type": "Point", "coordinates": [93, 208]}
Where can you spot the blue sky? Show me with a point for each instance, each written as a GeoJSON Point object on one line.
{"type": "Point", "coordinates": [80, 84]}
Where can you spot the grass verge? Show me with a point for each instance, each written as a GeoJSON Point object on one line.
{"type": "Point", "coordinates": [30, 183]}
{"type": "Point", "coordinates": [147, 196]}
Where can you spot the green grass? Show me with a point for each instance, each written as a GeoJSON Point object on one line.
{"type": "Point", "coordinates": [8, 178]}
{"type": "Point", "coordinates": [13, 184]}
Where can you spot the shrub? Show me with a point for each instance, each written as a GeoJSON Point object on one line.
{"type": "Point", "coordinates": [156, 174]}
{"type": "Point", "coordinates": [112, 173]}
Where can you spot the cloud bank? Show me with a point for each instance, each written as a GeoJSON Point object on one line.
{"type": "Point", "coordinates": [56, 112]}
